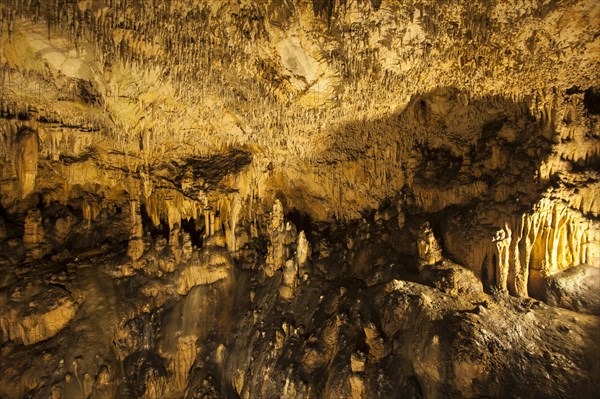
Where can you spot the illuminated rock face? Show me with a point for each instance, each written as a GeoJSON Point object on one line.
{"type": "Point", "coordinates": [305, 198]}
{"type": "Point", "coordinates": [429, 248]}
{"type": "Point", "coordinates": [25, 159]}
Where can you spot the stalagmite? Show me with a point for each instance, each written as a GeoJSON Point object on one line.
{"type": "Point", "coordinates": [211, 223]}
{"type": "Point", "coordinates": [290, 279]}
{"type": "Point", "coordinates": [430, 251]}
{"type": "Point", "coordinates": [34, 236]}
{"type": "Point", "coordinates": [276, 255]}
{"type": "Point", "coordinates": [186, 247]}
{"type": "Point", "coordinates": [302, 253]}
{"type": "Point", "coordinates": [207, 223]}
{"type": "Point", "coordinates": [502, 240]}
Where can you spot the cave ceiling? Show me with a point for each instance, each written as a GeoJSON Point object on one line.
{"type": "Point", "coordinates": [128, 96]}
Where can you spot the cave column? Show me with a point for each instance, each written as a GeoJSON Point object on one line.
{"type": "Point", "coordinates": [503, 240]}
{"type": "Point", "coordinates": [521, 271]}
{"type": "Point", "coordinates": [211, 223]}
{"type": "Point", "coordinates": [135, 248]}
{"type": "Point", "coordinates": [174, 242]}
{"type": "Point", "coordinates": [206, 223]}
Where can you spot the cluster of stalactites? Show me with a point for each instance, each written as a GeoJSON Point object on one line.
{"type": "Point", "coordinates": [524, 251]}
{"type": "Point", "coordinates": [542, 243]}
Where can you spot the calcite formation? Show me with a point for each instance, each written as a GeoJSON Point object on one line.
{"type": "Point", "coordinates": [33, 234]}
{"type": "Point", "coordinates": [430, 252]}
{"type": "Point", "coordinates": [299, 199]}
{"type": "Point", "coordinates": [135, 248]}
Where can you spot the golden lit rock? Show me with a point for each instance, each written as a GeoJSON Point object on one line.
{"type": "Point", "coordinates": [299, 199]}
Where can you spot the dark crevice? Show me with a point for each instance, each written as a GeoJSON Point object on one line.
{"type": "Point", "coordinates": [194, 229]}
{"type": "Point", "coordinates": [155, 231]}
{"type": "Point", "coordinates": [303, 221]}
{"type": "Point", "coordinates": [591, 101]}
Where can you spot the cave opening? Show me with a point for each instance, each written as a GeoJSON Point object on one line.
{"type": "Point", "coordinates": [155, 231]}
{"type": "Point", "coordinates": [488, 274]}
{"type": "Point", "coordinates": [195, 228]}
{"type": "Point", "coordinates": [591, 100]}
{"type": "Point", "coordinates": [303, 221]}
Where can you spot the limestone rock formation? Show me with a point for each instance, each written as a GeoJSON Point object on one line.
{"type": "Point", "coordinates": [277, 254]}
{"type": "Point", "coordinates": [303, 252]}
{"type": "Point", "coordinates": [34, 235]}
{"type": "Point", "coordinates": [577, 289]}
{"type": "Point", "coordinates": [442, 273]}
{"type": "Point", "coordinates": [33, 313]}
{"type": "Point", "coordinates": [430, 252]}
{"type": "Point", "coordinates": [25, 158]}
{"type": "Point", "coordinates": [290, 280]}
{"type": "Point", "coordinates": [282, 236]}
{"type": "Point", "coordinates": [135, 248]}
{"type": "Point", "coordinates": [228, 199]}
{"type": "Point", "coordinates": [214, 264]}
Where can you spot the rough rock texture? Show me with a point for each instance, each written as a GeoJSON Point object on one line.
{"type": "Point", "coordinates": [48, 311]}
{"type": "Point", "coordinates": [25, 159]}
{"type": "Point", "coordinates": [215, 264]}
{"type": "Point", "coordinates": [33, 235]}
{"type": "Point", "coordinates": [228, 198]}
{"type": "Point", "coordinates": [577, 289]}
{"type": "Point", "coordinates": [430, 252]}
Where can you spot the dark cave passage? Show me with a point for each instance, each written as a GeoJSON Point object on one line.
{"type": "Point", "coordinates": [591, 100]}
{"type": "Point", "coordinates": [195, 228]}
{"type": "Point", "coordinates": [303, 221]}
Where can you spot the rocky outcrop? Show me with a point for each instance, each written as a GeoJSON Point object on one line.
{"type": "Point", "coordinates": [577, 288]}
{"type": "Point", "coordinates": [34, 241]}
{"type": "Point", "coordinates": [33, 314]}
{"type": "Point", "coordinates": [214, 264]}
{"type": "Point", "coordinates": [442, 273]}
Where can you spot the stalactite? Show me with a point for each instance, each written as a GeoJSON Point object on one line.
{"type": "Point", "coordinates": [527, 250]}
